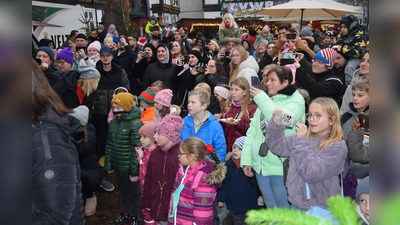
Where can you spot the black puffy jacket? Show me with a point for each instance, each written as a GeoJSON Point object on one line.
{"type": "Point", "coordinates": [56, 183]}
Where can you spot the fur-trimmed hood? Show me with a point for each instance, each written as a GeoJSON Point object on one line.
{"type": "Point", "coordinates": [217, 173]}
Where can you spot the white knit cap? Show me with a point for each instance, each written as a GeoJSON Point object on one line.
{"type": "Point", "coordinates": [81, 113]}
{"type": "Point", "coordinates": [240, 142]}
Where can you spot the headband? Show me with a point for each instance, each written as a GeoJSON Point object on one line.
{"type": "Point", "coordinates": [223, 92]}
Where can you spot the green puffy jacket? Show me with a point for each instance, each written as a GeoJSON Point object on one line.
{"type": "Point", "coordinates": [122, 139]}
{"type": "Point", "coordinates": [291, 102]}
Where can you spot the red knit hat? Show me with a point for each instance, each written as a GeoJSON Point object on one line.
{"type": "Point", "coordinates": [148, 129]}
{"type": "Point", "coordinates": [148, 96]}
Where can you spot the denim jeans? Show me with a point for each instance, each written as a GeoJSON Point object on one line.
{"type": "Point", "coordinates": [273, 191]}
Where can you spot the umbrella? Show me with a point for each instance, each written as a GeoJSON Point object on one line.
{"type": "Point", "coordinates": [308, 8]}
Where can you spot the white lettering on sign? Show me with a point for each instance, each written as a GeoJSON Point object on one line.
{"type": "Point", "coordinates": [245, 8]}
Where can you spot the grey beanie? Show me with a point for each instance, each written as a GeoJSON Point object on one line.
{"type": "Point", "coordinates": [240, 142]}
{"type": "Point", "coordinates": [88, 72]}
{"type": "Point", "coordinates": [48, 50]}
{"type": "Point", "coordinates": [306, 31]}
{"type": "Point", "coordinates": [362, 188]}
{"type": "Point", "coordinates": [81, 113]}
{"type": "Point", "coordinates": [100, 27]}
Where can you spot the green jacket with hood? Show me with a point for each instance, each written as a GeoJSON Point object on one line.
{"type": "Point", "coordinates": [291, 102]}
{"type": "Point", "coordinates": [122, 139]}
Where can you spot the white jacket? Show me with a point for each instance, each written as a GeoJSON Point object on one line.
{"type": "Point", "coordinates": [348, 95]}
{"type": "Point", "coordinates": [248, 68]}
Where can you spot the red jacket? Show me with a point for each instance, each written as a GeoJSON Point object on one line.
{"type": "Point", "coordinates": [236, 131]}
{"type": "Point", "coordinates": [159, 180]}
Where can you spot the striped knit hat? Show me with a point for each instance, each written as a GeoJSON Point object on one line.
{"type": "Point", "coordinates": [326, 55]}
{"type": "Point", "coordinates": [240, 142]}
{"type": "Point", "coordinates": [148, 96]}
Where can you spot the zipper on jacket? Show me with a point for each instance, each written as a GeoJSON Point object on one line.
{"type": "Point", "coordinates": [163, 183]}
{"type": "Point", "coordinates": [115, 147]}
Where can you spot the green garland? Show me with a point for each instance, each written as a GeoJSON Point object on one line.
{"type": "Point", "coordinates": [343, 210]}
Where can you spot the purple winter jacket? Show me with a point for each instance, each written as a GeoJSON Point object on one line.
{"type": "Point", "coordinates": [319, 168]}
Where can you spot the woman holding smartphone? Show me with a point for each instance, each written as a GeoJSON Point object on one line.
{"type": "Point", "coordinates": [178, 49]}
{"type": "Point", "coordinates": [144, 59]}
{"type": "Point", "coordinates": [268, 166]}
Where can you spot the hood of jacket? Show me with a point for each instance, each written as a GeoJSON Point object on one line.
{"type": "Point", "coordinates": [69, 125]}
{"type": "Point", "coordinates": [188, 120]}
{"type": "Point", "coordinates": [357, 77]}
{"type": "Point", "coordinates": [250, 62]}
{"type": "Point", "coordinates": [169, 63]}
{"type": "Point", "coordinates": [216, 172]}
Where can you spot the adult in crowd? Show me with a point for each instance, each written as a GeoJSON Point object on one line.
{"type": "Point", "coordinates": [156, 35]}
{"type": "Point", "coordinates": [65, 60]}
{"type": "Point", "coordinates": [125, 56]}
{"type": "Point", "coordinates": [321, 82]}
{"type": "Point", "coordinates": [133, 44]}
{"type": "Point", "coordinates": [240, 107]}
{"type": "Point", "coordinates": [213, 47]}
{"type": "Point", "coordinates": [177, 50]}
{"type": "Point", "coordinates": [246, 45]}
{"type": "Point", "coordinates": [307, 35]}
{"type": "Point", "coordinates": [81, 40]}
{"type": "Point", "coordinates": [229, 30]}
{"type": "Point", "coordinates": [139, 67]}
{"type": "Point", "coordinates": [111, 77]}
{"type": "Point", "coordinates": [215, 74]}
{"type": "Point", "coordinates": [179, 35]}
{"type": "Point", "coordinates": [78, 87]}
{"type": "Point", "coordinates": [242, 64]}
{"type": "Point", "coordinates": [46, 42]}
{"type": "Point", "coordinates": [260, 50]}
{"type": "Point", "coordinates": [359, 74]}
{"type": "Point", "coordinates": [339, 67]}
{"type": "Point", "coordinates": [268, 166]}
{"type": "Point", "coordinates": [94, 36]}
{"type": "Point", "coordinates": [352, 41]}
{"type": "Point", "coordinates": [162, 69]}
{"type": "Point", "coordinates": [47, 65]}
{"type": "Point", "coordinates": [72, 44]}
{"type": "Point", "coordinates": [56, 187]}
{"type": "Point", "coordinates": [186, 77]}
{"type": "Point", "coordinates": [72, 34]}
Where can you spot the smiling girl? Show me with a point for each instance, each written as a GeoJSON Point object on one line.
{"type": "Point", "coordinates": [317, 153]}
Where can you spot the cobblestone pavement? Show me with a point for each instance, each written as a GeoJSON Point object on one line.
{"type": "Point", "coordinates": [107, 204]}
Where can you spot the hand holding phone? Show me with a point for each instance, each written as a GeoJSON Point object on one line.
{"type": "Point", "coordinates": [227, 53]}
{"type": "Point", "coordinates": [364, 121]}
{"type": "Point", "coordinates": [116, 39]}
{"type": "Point", "coordinates": [38, 61]}
{"type": "Point", "coordinates": [255, 81]}
{"type": "Point", "coordinates": [290, 36]}
{"type": "Point", "coordinates": [283, 119]}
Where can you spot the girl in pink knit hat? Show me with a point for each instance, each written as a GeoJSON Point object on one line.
{"type": "Point", "coordinates": [162, 103]}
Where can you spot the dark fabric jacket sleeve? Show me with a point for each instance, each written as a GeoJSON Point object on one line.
{"type": "Point", "coordinates": [124, 80]}
{"type": "Point", "coordinates": [135, 140]}
{"type": "Point", "coordinates": [131, 53]}
{"type": "Point", "coordinates": [304, 63]}
{"type": "Point", "coordinates": [147, 77]}
{"type": "Point", "coordinates": [355, 50]}
{"type": "Point", "coordinates": [316, 89]}
{"type": "Point", "coordinates": [358, 151]}
{"type": "Point", "coordinates": [54, 180]}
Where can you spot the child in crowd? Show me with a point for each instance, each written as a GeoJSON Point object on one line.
{"type": "Point", "coordinates": [196, 184]}
{"type": "Point", "coordinates": [158, 86]}
{"type": "Point", "coordinates": [360, 104]}
{"type": "Point", "coordinates": [238, 192]}
{"type": "Point", "coordinates": [146, 133]}
{"type": "Point", "coordinates": [202, 124]}
{"type": "Point", "coordinates": [116, 91]}
{"type": "Point", "coordinates": [362, 197]}
{"type": "Point", "coordinates": [175, 110]}
{"type": "Point", "coordinates": [214, 106]}
{"type": "Point", "coordinates": [222, 92]}
{"type": "Point", "coordinates": [146, 102]}
{"type": "Point", "coordinates": [108, 41]}
{"type": "Point", "coordinates": [120, 158]}
{"type": "Point", "coordinates": [162, 104]}
{"type": "Point", "coordinates": [151, 23]}
{"type": "Point", "coordinates": [317, 153]}
{"type": "Point", "coordinates": [239, 106]}
{"type": "Point", "coordinates": [162, 167]}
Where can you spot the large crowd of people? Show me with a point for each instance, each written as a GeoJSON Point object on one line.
{"type": "Point", "coordinates": [200, 131]}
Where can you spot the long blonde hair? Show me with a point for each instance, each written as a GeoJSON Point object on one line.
{"type": "Point", "coordinates": [232, 24]}
{"type": "Point", "coordinates": [88, 85]}
{"type": "Point", "coordinates": [332, 109]}
{"type": "Point", "coordinates": [235, 67]}
{"type": "Point", "coordinates": [243, 84]}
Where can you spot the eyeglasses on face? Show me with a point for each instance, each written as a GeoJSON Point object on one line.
{"type": "Point", "coordinates": [314, 117]}
{"type": "Point", "coordinates": [61, 62]}
{"type": "Point", "coordinates": [181, 153]}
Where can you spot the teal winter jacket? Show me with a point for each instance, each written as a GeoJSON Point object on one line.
{"type": "Point", "coordinates": [122, 139]}
{"type": "Point", "coordinates": [291, 102]}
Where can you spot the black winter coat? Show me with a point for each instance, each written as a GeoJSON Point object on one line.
{"type": "Point", "coordinates": [66, 89]}
{"type": "Point", "coordinates": [56, 174]}
{"type": "Point", "coordinates": [126, 58]}
{"type": "Point", "coordinates": [183, 84]}
{"type": "Point", "coordinates": [320, 85]}
{"type": "Point", "coordinates": [159, 71]}
{"type": "Point", "coordinates": [53, 75]}
{"type": "Point", "coordinates": [211, 80]}
{"type": "Point", "coordinates": [109, 81]}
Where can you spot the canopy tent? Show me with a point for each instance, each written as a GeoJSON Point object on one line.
{"type": "Point", "coordinates": [309, 9]}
